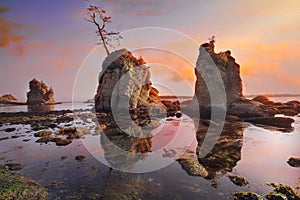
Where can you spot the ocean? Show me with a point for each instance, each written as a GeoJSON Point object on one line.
{"type": "Point", "coordinates": [262, 158]}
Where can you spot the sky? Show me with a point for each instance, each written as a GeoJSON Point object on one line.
{"type": "Point", "coordinates": [51, 41]}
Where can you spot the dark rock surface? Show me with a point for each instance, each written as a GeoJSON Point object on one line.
{"type": "Point", "coordinates": [280, 122]}
{"type": "Point", "coordinates": [294, 162]}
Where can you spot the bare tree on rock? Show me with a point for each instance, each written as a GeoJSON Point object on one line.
{"type": "Point", "coordinates": [98, 17]}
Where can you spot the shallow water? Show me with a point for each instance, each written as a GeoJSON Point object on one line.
{"type": "Point", "coordinates": [62, 106]}
{"type": "Point", "coordinates": [263, 158]}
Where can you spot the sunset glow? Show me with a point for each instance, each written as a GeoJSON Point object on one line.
{"type": "Point", "coordinates": [50, 44]}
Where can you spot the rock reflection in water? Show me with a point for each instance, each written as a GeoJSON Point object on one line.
{"type": "Point", "coordinates": [226, 152]}
{"type": "Point", "coordinates": [40, 108]}
{"type": "Point", "coordinates": [122, 150]}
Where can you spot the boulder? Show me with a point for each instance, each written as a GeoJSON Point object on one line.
{"type": "Point", "coordinates": [262, 99]}
{"type": "Point", "coordinates": [39, 94]}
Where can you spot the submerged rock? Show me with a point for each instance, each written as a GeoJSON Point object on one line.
{"type": "Point", "coordinates": [14, 166]}
{"type": "Point", "coordinates": [247, 196]}
{"type": "Point", "coordinates": [4, 138]}
{"type": "Point", "coordinates": [79, 157]}
{"type": "Point", "coordinates": [63, 142]}
{"type": "Point", "coordinates": [238, 180]}
{"type": "Point", "coordinates": [10, 129]}
{"type": "Point", "coordinates": [39, 94]}
{"type": "Point", "coordinates": [15, 186]}
{"type": "Point", "coordinates": [192, 167]}
{"type": "Point", "coordinates": [294, 162]}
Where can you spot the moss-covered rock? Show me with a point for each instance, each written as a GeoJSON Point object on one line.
{"type": "Point", "coordinates": [276, 196]}
{"type": "Point", "coordinates": [43, 133]}
{"type": "Point", "coordinates": [192, 167]}
{"type": "Point", "coordinates": [17, 187]}
{"type": "Point", "coordinates": [238, 180]}
{"type": "Point", "coordinates": [286, 190]}
{"type": "Point", "coordinates": [247, 196]}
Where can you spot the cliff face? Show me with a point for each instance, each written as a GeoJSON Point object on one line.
{"type": "Point", "coordinates": [39, 93]}
{"type": "Point", "coordinates": [225, 66]}
{"type": "Point", "coordinates": [125, 84]}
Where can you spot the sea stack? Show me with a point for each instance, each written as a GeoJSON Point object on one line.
{"type": "Point", "coordinates": [125, 85]}
{"type": "Point", "coordinates": [227, 72]}
{"type": "Point", "coordinates": [39, 94]}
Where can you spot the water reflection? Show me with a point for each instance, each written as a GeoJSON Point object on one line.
{"type": "Point", "coordinates": [123, 151]}
{"type": "Point", "coordinates": [226, 152]}
{"type": "Point", "coordinates": [40, 108]}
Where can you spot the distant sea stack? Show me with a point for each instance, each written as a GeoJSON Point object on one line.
{"type": "Point", "coordinates": [39, 94]}
{"type": "Point", "coordinates": [8, 99]}
{"type": "Point", "coordinates": [125, 84]}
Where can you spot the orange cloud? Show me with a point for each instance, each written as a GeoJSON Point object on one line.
{"type": "Point", "coordinates": [7, 31]}
{"type": "Point", "coordinates": [179, 68]}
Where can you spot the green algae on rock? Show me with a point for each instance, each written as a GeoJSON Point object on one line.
{"type": "Point", "coordinates": [286, 190]}
{"type": "Point", "coordinates": [43, 133]}
{"type": "Point", "coordinates": [238, 180]}
{"type": "Point", "coordinates": [17, 187]}
{"type": "Point", "coordinates": [247, 196]}
{"type": "Point", "coordinates": [192, 167]}
{"type": "Point", "coordinates": [276, 196]}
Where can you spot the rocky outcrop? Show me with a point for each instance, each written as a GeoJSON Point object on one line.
{"type": "Point", "coordinates": [218, 90]}
{"type": "Point", "coordinates": [39, 94]}
{"type": "Point", "coordinates": [210, 68]}
{"type": "Point", "coordinates": [125, 85]}
{"type": "Point", "coordinates": [8, 99]}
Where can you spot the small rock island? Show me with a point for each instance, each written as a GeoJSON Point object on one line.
{"type": "Point", "coordinates": [39, 94]}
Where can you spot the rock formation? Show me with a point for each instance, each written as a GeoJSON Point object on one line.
{"type": "Point", "coordinates": [125, 85]}
{"type": "Point", "coordinates": [219, 88]}
{"type": "Point", "coordinates": [225, 66]}
{"type": "Point", "coordinates": [39, 94]}
{"type": "Point", "coordinates": [8, 99]}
